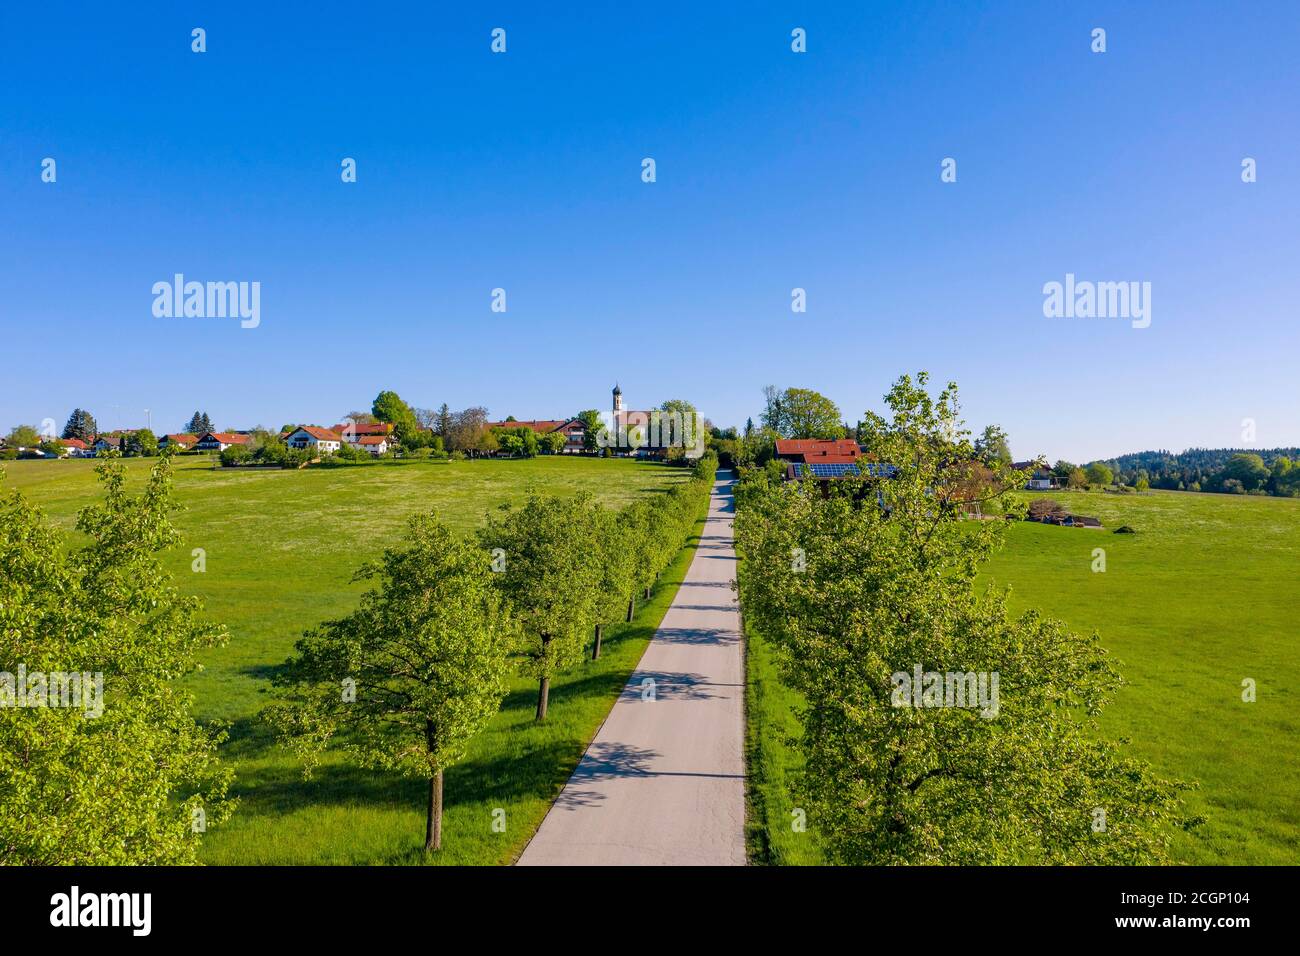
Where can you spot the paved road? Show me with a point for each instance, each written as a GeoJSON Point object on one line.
{"type": "Point", "coordinates": [663, 781]}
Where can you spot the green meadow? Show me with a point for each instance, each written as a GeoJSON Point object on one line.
{"type": "Point", "coordinates": [1204, 596]}
{"type": "Point", "coordinates": [280, 549]}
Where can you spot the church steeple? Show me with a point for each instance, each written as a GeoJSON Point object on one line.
{"type": "Point", "coordinates": [618, 399]}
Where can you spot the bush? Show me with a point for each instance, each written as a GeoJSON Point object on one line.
{"type": "Point", "coordinates": [235, 456]}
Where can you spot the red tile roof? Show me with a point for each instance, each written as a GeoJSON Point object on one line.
{"type": "Point", "coordinates": [182, 438]}
{"type": "Point", "coordinates": [372, 439]}
{"type": "Point", "coordinates": [230, 438]}
{"type": "Point", "coordinates": [817, 449]}
{"type": "Point", "coordinates": [74, 443]}
{"type": "Point", "coordinates": [318, 433]}
{"type": "Point", "coordinates": [540, 425]}
{"type": "Point", "coordinates": [364, 428]}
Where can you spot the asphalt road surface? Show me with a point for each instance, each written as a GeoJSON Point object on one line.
{"type": "Point", "coordinates": [663, 782]}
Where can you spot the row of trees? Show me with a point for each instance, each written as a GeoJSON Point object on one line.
{"type": "Point", "coordinates": [410, 677]}
{"type": "Point", "coordinates": [880, 577]}
{"type": "Point", "coordinates": [402, 684]}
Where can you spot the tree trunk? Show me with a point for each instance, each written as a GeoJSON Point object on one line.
{"type": "Point", "coordinates": [646, 596]}
{"type": "Point", "coordinates": [595, 651]}
{"type": "Point", "coordinates": [543, 695]}
{"type": "Point", "coordinates": [433, 825]}
{"type": "Point", "coordinates": [631, 606]}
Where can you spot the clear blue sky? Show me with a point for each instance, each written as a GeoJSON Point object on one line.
{"type": "Point", "coordinates": [775, 170]}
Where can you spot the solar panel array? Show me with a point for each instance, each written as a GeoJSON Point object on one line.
{"type": "Point", "coordinates": [836, 470]}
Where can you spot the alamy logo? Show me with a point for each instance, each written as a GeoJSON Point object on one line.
{"type": "Point", "coordinates": [82, 690]}
{"type": "Point", "coordinates": [1098, 300]}
{"type": "Point", "coordinates": [103, 909]}
{"type": "Point", "coordinates": [970, 690]}
{"type": "Point", "coordinates": [630, 431]}
{"type": "Point", "coordinates": [208, 300]}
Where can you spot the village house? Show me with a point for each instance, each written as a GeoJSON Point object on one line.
{"type": "Point", "coordinates": [110, 441]}
{"type": "Point", "coordinates": [315, 438]}
{"type": "Point", "coordinates": [76, 448]}
{"type": "Point", "coordinates": [220, 441]}
{"type": "Point", "coordinates": [180, 440]}
{"type": "Point", "coordinates": [1041, 480]}
{"type": "Point", "coordinates": [573, 430]}
{"type": "Point", "coordinates": [349, 430]}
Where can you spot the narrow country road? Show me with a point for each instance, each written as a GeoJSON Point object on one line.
{"type": "Point", "coordinates": [663, 782]}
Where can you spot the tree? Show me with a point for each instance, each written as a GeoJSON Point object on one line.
{"type": "Point", "coordinates": [389, 407]}
{"type": "Point", "coordinates": [808, 414]}
{"type": "Point", "coordinates": [1063, 468]}
{"type": "Point", "coordinates": [992, 445]}
{"type": "Point", "coordinates": [1247, 469]}
{"type": "Point", "coordinates": [141, 443]}
{"type": "Point", "coordinates": [1142, 484]}
{"type": "Point", "coordinates": [126, 786]}
{"type": "Point", "coordinates": [81, 425]}
{"type": "Point", "coordinates": [199, 424]}
{"type": "Point", "coordinates": [1099, 473]}
{"type": "Point", "coordinates": [546, 551]}
{"type": "Point", "coordinates": [361, 418]}
{"type": "Point", "coordinates": [552, 442]}
{"type": "Point", "coordinates": [592, 426]}
{"type": "Point", "coordinates": [615, 564]}
{"type": "Point", "coordinates": [466, 429]}
{"type": "Point", "coordinates": [23, 436]}
{"type": "Point", "coordinates": [799, 413]}
{"type": "Point", "coordinates": [443, 426]}
{"type": "Point", "coordinates": [887, 590]}
{"type": "Point", "coordinates": [53, 448]}
{"type": "Point", "coordinates": [1077, 479]}
{"type": "Point", "coordinates": [406, 680]}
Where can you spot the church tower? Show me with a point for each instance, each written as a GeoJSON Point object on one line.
{"type": "Point", "coordinates": [618, 400]}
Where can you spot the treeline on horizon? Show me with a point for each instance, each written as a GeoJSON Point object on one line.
{"type": "Point", "coordinates": [1265, 471]}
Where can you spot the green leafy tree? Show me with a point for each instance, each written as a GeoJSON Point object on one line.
{"type": "Point", "coordinates": [1142, 484]}
{"type": "Point", "coordinates": [404, 682]}
{"type": "Point", "coordinates": [809, 414]}
{"type": "Point", "coordinates": [884, 580]}
{"type": "Point", "coordinates": [615, 564]}
{"type": "Point", "coordinates": [142, 443]}
{"type": "Point", "coordinates": [552, 442]}
{"type": "Point", "coordinates": [1248, 469]}
{"type": "Point", "coordinates": [24, 436]}
{"type": "Point", "coordinates": [1099, 473]}
{"type": "Point", "coordinates": [389, 407]}
{"type": "Point", "coordinates": [53, 448]}
{"type": "Point", "coordinates": [992, 445]}
{"type": "Point", "coordinates": [592, 425]}
{"type": "Point", "coordinates": [1077, 479]}
{"type": "Point", "coordinates": [81, 425]}
{"type": "Point", "coordinates": [128, 786]}
{"type": "Point", "coordinates": [546, 551]}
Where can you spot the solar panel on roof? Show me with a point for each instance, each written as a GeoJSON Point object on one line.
{"type": "Point", "coordinates": [837, 470]}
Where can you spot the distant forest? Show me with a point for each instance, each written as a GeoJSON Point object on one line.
{"type": "Point", "coordinates": [1271, 471]}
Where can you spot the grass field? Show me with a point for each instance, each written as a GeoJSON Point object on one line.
{"type": "Point", "coordinates": [1205, 595]}
{"type": "Point", "coordinates": [281, 547]}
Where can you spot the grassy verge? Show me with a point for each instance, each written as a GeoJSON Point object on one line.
{"type": "Point", "coordinates": [512, 774]}
{"type": "Point", "coordinates": [773, 761]}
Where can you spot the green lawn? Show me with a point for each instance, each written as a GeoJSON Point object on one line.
{"type": "Point", "coordinates": [281, 547]}
{"type": "Point", "coordinates": [1206, 594]}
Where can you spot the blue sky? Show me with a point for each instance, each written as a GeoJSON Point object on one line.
{"type": "Point", "coordinates": [775, 170]}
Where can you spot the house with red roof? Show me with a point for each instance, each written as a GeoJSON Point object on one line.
{"type": "Point", "coordinates": [315, 438]}
{"type": "Point", "coordinates": [220, 441]}
{"type": "Point", "coordinates": [181, 441]}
